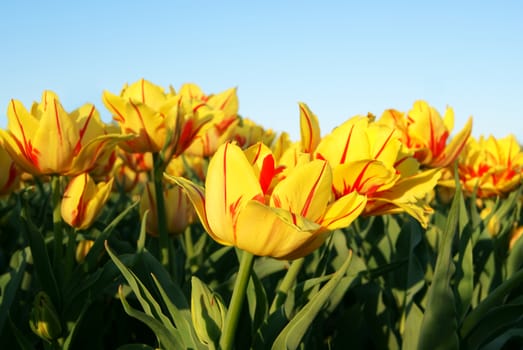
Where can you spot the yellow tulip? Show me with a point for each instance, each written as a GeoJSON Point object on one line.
{"type": "Point", "coordinates": [247, 204]}
{"type": "Point", "coordinates": [48, 140]}
{"type": "Point", "coordinates": [247, 133]}
{"type": "Point", "coordinates": [83, 200]}
{"type": "Point", "coordinates": [178, 209]}
{"type": "Point", "coordinates": [156, 119]}
{"type": "Point", "coordinates": [491, 166]}
{"type": "Point", "coordinates": [9, 175]}
{"type": "Point", "coordinates": [368, 158]}
{"type": "Point", "coordinates": [425, 132]}
{"type": "Point", "coordinates": [219, 129]}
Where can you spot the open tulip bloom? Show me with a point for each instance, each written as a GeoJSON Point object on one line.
{"type": "Point", "coordinates": [247, 204]}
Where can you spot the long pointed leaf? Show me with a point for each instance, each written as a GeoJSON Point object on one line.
{"type": "Point", "coordinates": [292, 334]}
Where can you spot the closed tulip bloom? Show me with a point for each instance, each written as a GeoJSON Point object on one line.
{"type": "Point", "coordinates": [157, 119]}
{"type": "Point", "coordinates": [425, 132]}
{"type": "Point", "coordinates": [178, 209]}
{"type": "Point", "coordinates": [489, 166]}
{"type": "Point", "coordinates": [47, 140]}
{"type": "Point", "coordinates": [246, 203]}
{"type": "Point", "coordinates": [83, 200]}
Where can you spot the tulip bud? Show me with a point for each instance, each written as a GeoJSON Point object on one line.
{"type": "Point", "coordinates": [83, 200]}
{"type": "Point", "coordinates": [82, 249]}
{"type": "Point", "coordinates": [178, 208]}
{"type": "Point", "coordinates": [44, 320]}
{"type": "Point", "coordinates": [207, 311]}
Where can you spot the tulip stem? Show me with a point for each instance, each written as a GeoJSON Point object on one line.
{"type": "Point", "coordinates": [236, 303]}
{"type": "Point", "coordinates": [286, 284]}
{"type": "Point", "coordinates": [57, 223]}
{"type": "Point", "coordinates": [160, 208]}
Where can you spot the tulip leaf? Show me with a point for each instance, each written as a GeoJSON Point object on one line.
{"type": "Point", "coordinates": [151, 307]}
{"type": "Point", "coordinates": [257, 302]}
{"type": "Point", "coordinates": [494, 299]}
{"type": "Point", "coordinates": [439, 326]}
{"type": "Point", "coordinates": [180, 317]}
{"type": "Point", "coordinates": [292, 334]}
{"type": "Point", "coordinates": [98, 246]}
{"type": "Point", "coordinates": [41, 261]}
{"type": "Point", "coordinates": [9, 284]}
{"type": "Point", "coordinates": [496, 321]}
{"type": "Point", "coordinates": [167, 338]}
{"type": "Point", "coordinates": [515, 257]}
{"type": "Point", "coordinates": [22, 340]}
{"type": "Point", "coordinates": [464, 276]}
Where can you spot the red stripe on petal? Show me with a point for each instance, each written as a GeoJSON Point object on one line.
{"type": "Point", "coordinates": [312, 192]}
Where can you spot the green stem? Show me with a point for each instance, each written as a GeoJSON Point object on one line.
{"type": "Point", "coordinates": [189, 249]}
{"type": "Point", "coordinates": [286, 284]}
{"type": "Point", "coordinates": [70, 254]}
{"type": "Point", "coordinates": [160, 211]}
{"type": "Point", "coordinates": [57, 222]}
{"type": "Point", "coordinates": [236, 303]}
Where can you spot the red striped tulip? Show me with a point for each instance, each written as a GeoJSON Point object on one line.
{"type": "Point", "coordinates": [83, 200]}
{"type": "Point", "coordinates": [246, 203]}
{"type": "Point", "coordinates": [425, 132]}
{"type": "Point", "coordinates": [48, 140]}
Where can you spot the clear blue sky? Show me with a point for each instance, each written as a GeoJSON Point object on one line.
{"type": "Point", "coordinates": [341, 58]}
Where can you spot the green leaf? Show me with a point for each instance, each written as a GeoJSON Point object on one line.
{"type": "Point", "coordinates": [292, 334]}
{"type": "Point", "coordinates": [494, 299]}
{"type": "Point", "coordinates": [181, 317]}
{"type": "Point", "coordinates": [439, 326]}
{"type": "Point", "coordinates": [257, 302]}
{"type": "Point", "coordinates": [41, 261]}
{"type": "Point", "coordinates": [149, 304]}
{"type": "Point", "coordinates": [498, 320]}
{"type": "Point", "coordinates": [167, 338]}
{"type": "Point", "coordinates": [91, 259]}
{"type": "Point", "coordinates": [208, 313]}
{"type": "Point", "coordinates": [464, 276]}
{"type": "Point", "coordinates": [9, 285]}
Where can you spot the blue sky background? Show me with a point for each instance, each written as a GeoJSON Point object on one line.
{"type": "Point", "coordinates": [341, 58]}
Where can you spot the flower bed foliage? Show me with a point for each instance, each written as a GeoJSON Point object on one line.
{"type": "Point", "coordinates": [183, 225]}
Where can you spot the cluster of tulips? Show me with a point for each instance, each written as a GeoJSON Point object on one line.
{"type": "Point", "coordinates": [190, 159]}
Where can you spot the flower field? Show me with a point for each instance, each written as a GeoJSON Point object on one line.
{"type": "Point", "coordinates": [183, 225]}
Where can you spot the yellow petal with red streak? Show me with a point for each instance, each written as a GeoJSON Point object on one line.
{"type": "Point", "coordinates": [306, 191]}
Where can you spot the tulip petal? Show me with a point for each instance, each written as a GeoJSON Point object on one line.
{"type": "Point", "coordinates": [267, 231]}
{"type": "Point", "coordinates": [364, 177]}
{"type": "Point", "coordinates": [55, 139]}
{"type": "Point", "coordinates": [454, 147]}
{"type": "Point", "coordinates": [145, 92]}
{"type": "Point", "coordinates": [305, 191]}
{"type": "Point", "coordinates": [335, 146]}
{"type": "Point", "coordinates": [344, 211]}
{"type": "Point", "coordinates": [309, 129]}
{"type": "Point", "coordinates": [196, 195]}
{"type": "Point", "coordinates": [230, 183]}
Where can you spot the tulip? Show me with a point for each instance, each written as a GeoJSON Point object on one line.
{"type": "Point", "coordinates": [44, 320]}
{"type": "Point", "coordinates": [48, 140]}
{"type": "Point", "coordinates": [425, 132]}
{"type": "Point", "coordinates": [246, 203]}
{"type": "Point", "coordinates": [490, 166]}
{"type": "Point", "coordinates": [368, 158]}
{"type": "Point", "coordinates": [178, 208]}
{"type": "Point", "coordinates": [83, 200]}
{"type": "Point", "coordinates": [157, 119]}
{"type": "Point", "coordinates": [82, 249]}
{"type": "Point", "coordinates": [9, 173]}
